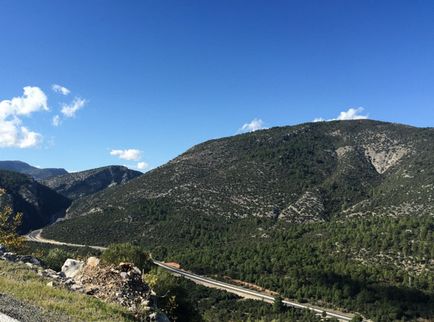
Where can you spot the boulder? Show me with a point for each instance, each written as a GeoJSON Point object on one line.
{"type": "Point", "coordinates": [71, 268]}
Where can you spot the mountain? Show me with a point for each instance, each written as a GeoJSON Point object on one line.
{"type": "Point", "coordinates": [304, 173]}
{"type": "Point", "coordinates": [335, 213]}
{"type": "Point", "coordinates": [36, 173]}
{"type": "Point", "coordinates": [79, 184]}
{"type": "Point", "coordinates": [39, 204]}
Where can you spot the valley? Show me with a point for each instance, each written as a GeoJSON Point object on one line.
{"type": "Point", "coordinates": [338, 214]}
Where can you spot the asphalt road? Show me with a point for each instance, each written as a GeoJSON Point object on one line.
{"type": "Point", "coordinates": [209, 282]}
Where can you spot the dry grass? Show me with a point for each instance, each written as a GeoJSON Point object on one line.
{"type": "Point", "coordinates": [23, 284]}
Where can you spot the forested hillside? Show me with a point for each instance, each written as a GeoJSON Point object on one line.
{"type": "Point", "coordinates": [337, 213]}
{"type": "Point", "coordinates": [39, 204]}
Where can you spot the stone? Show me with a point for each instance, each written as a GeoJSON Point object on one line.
{"type": "Point", "coordinates": [29, 259]}
{"type": "Point", "coordinates": [72, 267]}
{"type": "Point", "coordinates": [50, 284]}
{"type": "Point", "coordinates": [92, 262]}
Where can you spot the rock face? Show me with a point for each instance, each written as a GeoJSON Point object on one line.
{"type": "Point", "coordinates": [36, 173]}
{"type": "Point", "coordinates": [39, 204]}
{"type": "Point", "coordinates": [80, 184]}
{"type": "Point", "coordinates": [71, 268]}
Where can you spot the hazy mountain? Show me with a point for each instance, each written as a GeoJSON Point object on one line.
{"type": "Point", "coordinates": [79, 184]}
{"type": "Point", "coordinates": [36, 173]}
{"type": "Point", "coordinates": [39, 204]}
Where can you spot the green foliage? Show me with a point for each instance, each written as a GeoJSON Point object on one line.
{"type": "Point", "coordinates": [127, 252]}
{"type": "Point", "coordinates": [278, 305]}
{"type": "Point", "coordinates": [184, 301]}
{"type": "Point", "coordinates": [55, 258]}
{"type": "Point", "coordinates": [357, 318]}
{"type": "Point", "coordinates": [9, 223]}
{"type": "Point", "coordinates": [337, 262]}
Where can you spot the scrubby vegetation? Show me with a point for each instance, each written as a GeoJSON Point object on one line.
{"type": "Point", "coordinates": [127, 252]}
{"type": "Point", "coordinates": [54, 256]}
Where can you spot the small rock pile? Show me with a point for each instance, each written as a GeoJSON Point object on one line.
{"type": "Point", "coordinates": [12, 257]}
{"type": "Point", "coordinates": [119, 284]}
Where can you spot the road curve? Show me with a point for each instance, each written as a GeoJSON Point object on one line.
{"type": "Point", "coordinates": [35, 236]}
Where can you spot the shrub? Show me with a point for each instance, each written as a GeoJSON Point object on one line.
{"type": "Point", "coordinates": [55, 258]}
{"type": "Point", "coordinates": [127, 252]}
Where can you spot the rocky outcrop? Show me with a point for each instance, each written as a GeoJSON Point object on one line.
{"type": "Point", "coordinates": [308, 208]}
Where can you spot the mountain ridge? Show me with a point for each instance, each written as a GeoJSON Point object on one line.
{"type": "Point", "coordinates": [35, 172]}
{"type": "Point", "coordinates": [79, 184]}
{"type": "Point", "coordinates": [278, 166]}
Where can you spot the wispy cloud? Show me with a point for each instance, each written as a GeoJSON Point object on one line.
{"type": "Point", "coordinates": [69, 110]}
{"type": "Point", "coordinates": [60, 89]}
{"type": "Point", "coordinates": [255, 125]}
{"type": "Point", "coordinates": [350, 114]}
{"type": "Point", "coordinates": [56, 120]}
{"type": "Point", "coordinates": [12, 131]}
{"type": "Point", "coordinates": [128, 154]}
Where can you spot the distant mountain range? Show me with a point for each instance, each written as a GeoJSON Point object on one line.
{"type": "Point", "coordinates": [43, 195]}
{"type": "Point", "coordinates": [36, 173]}
{"type": "Point", "coordinates": [80, 184]}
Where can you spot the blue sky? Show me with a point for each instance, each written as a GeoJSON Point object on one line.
{"type": "Point", "coordinates": [160, 76]}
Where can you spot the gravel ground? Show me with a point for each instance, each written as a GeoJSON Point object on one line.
{"type": "Point", "coordinates": [24, 312]}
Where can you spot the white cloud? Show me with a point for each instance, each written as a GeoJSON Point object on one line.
{"type": "Point", "coordinates": [60, 89]}
{"type": "Point", "coordinates": [254, 125]}
{"type": "Point", "coordinates": [69, 110]}
{"type": "Point", "coordinates": [12, 131]}
{"type": "Point", "coordinates": [56, 120]}
{"type": "Point", "coordinates": [142, 165]}
{"type": "Point", "coordinates": [128, 154]}
{"type": "Point", "coordinates": [318, 119]}
{"type": "Point", "coordinates": [351, 114]}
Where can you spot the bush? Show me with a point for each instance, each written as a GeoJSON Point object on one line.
{"type": "Point", "coordinates": [127, 252]}
{"type": "Point", "coordinates": [55, 258]}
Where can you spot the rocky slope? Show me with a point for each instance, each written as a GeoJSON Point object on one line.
{"type": "Point", "coordinates": [39, 204]}
{"type": "Point", "coordinates": [36, 173]}
{"type": "Point", "coordinates": [308, 172]}
{"type": "Point", "coordinates": [79, 184]}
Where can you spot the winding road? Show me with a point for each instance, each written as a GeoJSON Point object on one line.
{"type": "Point", "coordinates": [35, 236]}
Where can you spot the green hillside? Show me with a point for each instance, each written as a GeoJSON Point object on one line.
{"type": "Point", "coordinates": [339, 213]}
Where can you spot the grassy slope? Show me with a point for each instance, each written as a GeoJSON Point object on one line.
{"type": "Point", "coordinates": [23, 284]}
